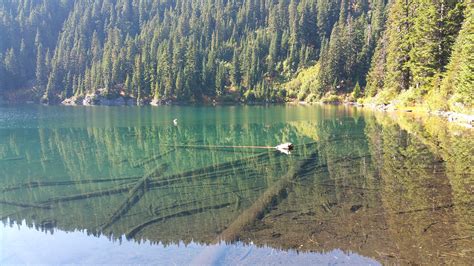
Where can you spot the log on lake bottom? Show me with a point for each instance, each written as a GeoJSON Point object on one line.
{"type": "Point", "coordinates": [133, 196]}
{"type": "Point", "coordinates": [269, 198]}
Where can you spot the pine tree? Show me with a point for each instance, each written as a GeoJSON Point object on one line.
{"type": "Point", "coordinates": [137, 80]}
{"type": "Point", "coordinates": [356, 93]}
{"type": "Point", "coordinates": [128, 85]}
{"type": "Point", "coordinates": [235, 74]}
{"type": "Point", "coordinates": [190, 49]}
{"type": "Point", "coordinates": [220, 80]}
{"type": "Point", "coordinates": [459, 79]}
{"type": "Point", "coordinates": [399, 32]}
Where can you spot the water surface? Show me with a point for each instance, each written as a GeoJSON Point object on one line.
{"type": "Point", "coordinates": [126, 185]}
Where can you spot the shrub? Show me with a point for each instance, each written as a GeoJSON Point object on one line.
{"type": "Point", "coordinates": [331, 98]}
{"type": "Point", "coordinates": [311, 98]}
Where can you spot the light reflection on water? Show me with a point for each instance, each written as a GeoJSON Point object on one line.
{"type": "Point", "coordinates": [23, 245]}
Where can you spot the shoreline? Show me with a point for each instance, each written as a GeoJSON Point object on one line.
{"type": "Point", "coordinates": [465, 120]}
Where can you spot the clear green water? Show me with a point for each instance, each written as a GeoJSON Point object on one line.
{"type": "Point", "coordinates": [126, 185]}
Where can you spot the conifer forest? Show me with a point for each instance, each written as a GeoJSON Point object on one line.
{"type": "Point", "coordinates": [381, 51]}
{"type": "Point", "coordinates": [237, 132]}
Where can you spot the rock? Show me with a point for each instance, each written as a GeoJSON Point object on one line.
{"type": "Point", "coordinates": [72, 101]}
{"type": "Point", "coordinates": [90, 99]}
{"type": "Point", "coordinates": [355, 208]}
{"type": "Point", "coordinates": [141, 102]}
{"type": "Point", "coordinates": [156, 102]}
{"type": "Point", "coordinates": [275, 235]}
{"type": "Point", "coordinates": [68, 101]}
{"type": "Point", "coordinates": [98, 99]}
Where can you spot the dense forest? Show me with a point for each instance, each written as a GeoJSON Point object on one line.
{"type": "Point", "coordinates": [418, 51]}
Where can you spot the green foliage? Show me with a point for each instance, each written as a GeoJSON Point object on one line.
{"type": "Point", "coordinates": [331, 98]}
{"type": "Point", "coordinates": [412, 57]}
{"type": "Point", "coordinates": [356, 93]}
{"type": "Point", "coordinates": [458, 84]}
{"type": "Point", "coordinates": [192, 50]}
{"type": "Point", "coordinates": [312, 98]}
{"type": "Point", "coordinates": [305, 82]}
{"type": "Point", "coordinates": [186, 50]}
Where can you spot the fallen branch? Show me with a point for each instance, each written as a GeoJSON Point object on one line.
{"type": "Point", "coordinates": [12, 159]}
{"type": "Point", "coordinates": [35, 184]}
{"type": "Point", "coordinates": [434, 208]}
{"type": "Point", "coordinates": [140, 227]}
{"type": "Point", "coordinates": [88, 195]}
{"type": "Point", "coordinates": [151, 159]}
{"type": "Point", "coordinates": [223, 166]}
{"type": "Point", "coordinates": [25, 205]}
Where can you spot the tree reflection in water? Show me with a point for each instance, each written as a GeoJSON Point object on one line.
{"type": "Point", "coordinates": [395, 190]}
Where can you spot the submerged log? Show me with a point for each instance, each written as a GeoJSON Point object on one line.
{"type": "Point", "coordinates": [25, 205]}
{"type": "Point", "coordinates": [152, 159]}
{"type": "Point", "coordinates": [133, 232]}
{"type": "Point", "coordinates": [12, 159]}
{"type": "Point", "coordinates": [100, 193]}
{"type": "Point", "coordinates": [269, 198]}
{"type": "Point", "coordinates": [218, 167]}
{"type": "Point", "coordinates": [134, 195]}
{"type": "Point", "coordinates": [35, 184]}
{"type": "Point", "coordinates": [152, 183]}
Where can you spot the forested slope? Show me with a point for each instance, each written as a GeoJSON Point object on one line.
{"type": "Point", "coordinates": [249, 50]}
{"type": "Point", "coordinates": [414, 63]}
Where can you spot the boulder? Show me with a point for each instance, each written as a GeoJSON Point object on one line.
{"type": "Point", "coordinates": [156, 102]}
{"type": "Point", "coordinates": [90, 99]}
{"type": "Point", "coordinates": [72, 101]}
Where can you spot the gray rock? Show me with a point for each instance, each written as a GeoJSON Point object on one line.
{"type": "Point", "coordinates": [156, 102]}
{"type": "Point", "coordinates": [72, 101]}
{"type": "Point", "coordinates": [90, 99]}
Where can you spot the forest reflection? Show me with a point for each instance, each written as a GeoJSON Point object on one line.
{"type": "Point", "coordinates": [390, 188]}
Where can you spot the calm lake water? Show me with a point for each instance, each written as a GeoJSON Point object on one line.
{"type": "Point", "coordinates": [126, 185]}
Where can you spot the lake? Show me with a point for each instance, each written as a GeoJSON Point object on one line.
{"type": "Point", "coordinates": [127, 185]}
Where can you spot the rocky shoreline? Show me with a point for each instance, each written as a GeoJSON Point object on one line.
{"type": "Point", "coordinates": [98, 98]}
{"type": "Point", "coordinates": [461, 119]}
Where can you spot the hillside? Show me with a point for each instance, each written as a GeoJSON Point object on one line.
{"type": "Point", "coordinates": [238, 50]}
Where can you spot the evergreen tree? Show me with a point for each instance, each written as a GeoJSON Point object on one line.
{"type": "Point", "coordinates": [356, 93]}
{"type": "Point", "coordinates": [235, 75]}
{"type": "Point", "coordinates": [189, 50]}
{"type": "Point", "coordinates": [458, 84]}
